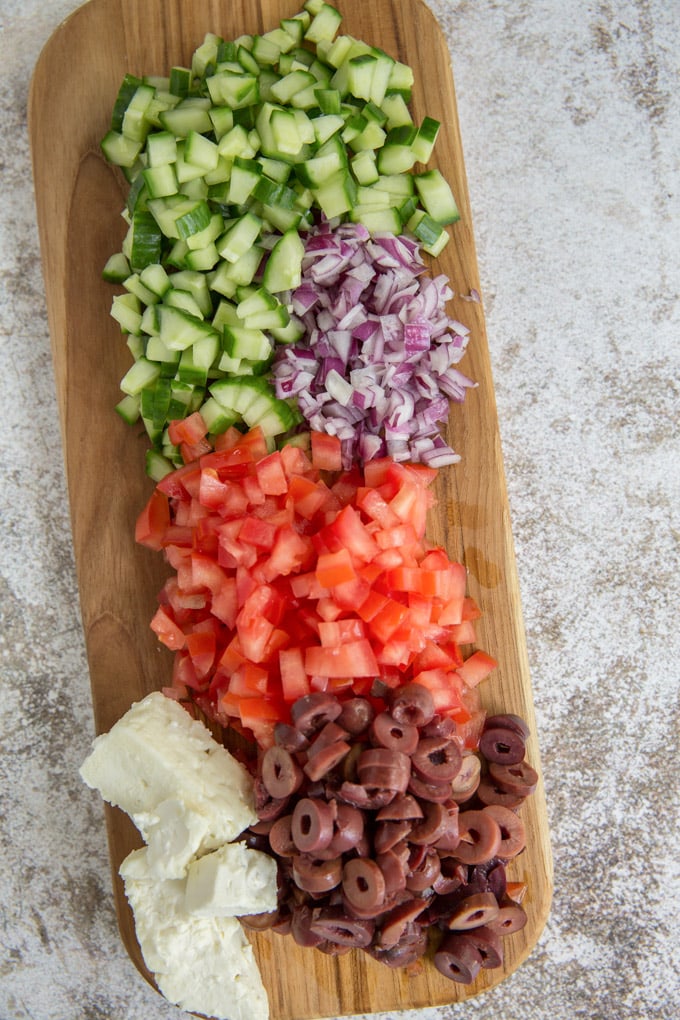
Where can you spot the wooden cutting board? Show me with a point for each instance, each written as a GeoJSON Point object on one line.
{"type": "Point", "coordinates": [79, 198]}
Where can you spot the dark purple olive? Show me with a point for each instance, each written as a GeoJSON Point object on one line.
{"type": "Point", "coordinates": [280, 772]}
{"type": "Point", "coordinates": [467, 780]}
{"type": "Point", "coordinates": [439, 726]}
{"type": "Point", "coordinates": [289, 737]}
{"type": "Point", "coordinates": [388, 834]}
{"type": "Point", "coordinates": [437, 823]}
{"type": "Point", "coordinates": [312, 824]}
{"type": "Point", "coordinates": [519, 778]}
{"type": "Point", "coordinates": [260, 922]}
{"type": "Point", "coordinates": [402, 808]}
{"type": "Point", "coordinates": [488, 944]}
{"type": "Point", "coordinates": [312, 711]}
{"type": "Point", "coordinates": [316, 876]}
{"type": "Point", "coordinates": [437, 759]}
{"type": "Point", "coordinates": [333, 924]}
{"type": "Point", "coordinates": [480, 837]}
{"type": "Point", "coordinates": [504, 746]}
{"type": "Point", "coordinates": [300, 927]}
{"type": "Point", "coordinates": [425, 873]}
{"type": "Point", "coordinates": [385, 731]}
{"type": "Point", "coordinates": [513, 835]}
{"type": "Point", "coordinates": [413, 704]}
{"type": "Point", "coordinates": [424, 791]}
{"type": "Point", "coordinates": [356, 715]}
{"type": "Point", "coordinates": [327, 735]}
{"type": "Point", "coordinates": [393, 866]}
{"type": "Point", "coordinates": [507, 721]}
{"type": "Point", "coordinates": [363, 884]}
{"type": "Point", "coordinates": [511, 917]}
{"type": "Point", "coordinates": [382, 769]}
{"type": "Point", "coordinates": [458, 959]}
{"type": "Point", "coordinates": [268, 808]}
{"type": "Point", "coordinates": [395, 923]}
{"type": "Point", "coordinates": [348, 829]}
{"type": "Point", "coordinates": [281, 839]}
{"type": "Point", "coordinates": [359, 796]}
{"type": "Point", "coordinates": [325, 760]}
{"type": "Point", "coordinates": [412, 946]}
{"type": "Point", "coordinates": [474, 911]}
{"type": "Point", "coordinates": [453, 875]}
{"type": "Point", "coordinates": [491, 792]}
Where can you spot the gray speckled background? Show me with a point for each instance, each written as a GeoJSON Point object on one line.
{"type": "Point", "coordinates": [570, 112]}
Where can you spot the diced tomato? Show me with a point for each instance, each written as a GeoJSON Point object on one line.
{"type": "Point", "coordinates": [294, 679]}
{"type": "Point", "coordinates": [326, 452]}
{"type": "Point", "coordinates": [201, 646]}
{"type": "Point", "coordinates": [153, 522]}
{"type": "Point", "coordinates": [334, 568]}
{"type": "Point", "coordinates": [477, 668]}
{"type": "Point", "coordinates": [167, 631]}
{"type": "Point", "coordinates": [187, 430]}
{"type": "Point", "coordinates": [355, 658]}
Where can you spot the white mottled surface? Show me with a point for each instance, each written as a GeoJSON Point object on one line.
{"type": "Point", "coordinates": [570, 112]}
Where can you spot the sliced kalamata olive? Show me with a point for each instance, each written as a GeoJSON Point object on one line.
{"type": "Point", "coordinates": [506, 747]}
{"type": "Point", "coordinates": [312, 824]}
{"type": "Point", "coordinates": [480, 837]}
{"type": "Point", "coordinates": [312, 711]}
{"type": "Point", "coordinates": [268, 808]}
{"type": "Point", "coordinates": [424, 791]}
{"type": "Point", "coordinates": [363, 883]}
{"type": "Point", "coordinates": [385, 731]}
{"type": "Point", "coordinates": [513, 836]}
{"type": "Point", "coordinates": [359, 796]}
{"type": "Point", "coordinates": [413, 704]}
{"type": "Point", "coordinates": [356, 715]}
{"type": "Point", "coordinates": [519, 778]}
{"type": "Point", "coordinates": [280, 772]}
{"type": "Point", "coordinates": [511, 917]}
{"type": "Point", "coordinates": [328, 734]}
{"type": "Point", "coordinates": [488, 944]}
{"type": "Point", "coordinates": [382, 769]}
{"type": "Point", "coordinates": [452, 876]}
{"type": "Point", "coordinates": [289, 737]}
{"type": "Point", "coordinates": [316, 876]}
{"type": "Point", "coordinates": [491, 792]}
{"type": "Point", "coordinates": [450, 838]}
{"type": "Point", "coordinates": [388, 834]}
{"type": "Point", "coordinates": [437, 759]}
{"type": "Point", "coordinates": [281, 839]}
{"type": "Point", "coordinates": [507, 721]}
{"type": "Point", "coordinates": [394, 924]}
{"type": "Point", "coordinates": [423, 875]}
{"type": "Point", "coordinates": [412, 946]}
{"type": "Point", "coordinates": [348, 830]}
{"type": "Point", "coordinates": [474, 911]}
{"type": "Point", "coordinates": [393, 865]}
{"type": "Point", "coordinates": [404, 807]}
{"type": "Point", "coordinates": [466, 782]}
{"type": "Point", "coordinates": [496, 879]}
{"type": "Point", "coordinates": [436, 824]}
{"type": "Point", "coordinates": [300, 927]}
{"type": "Point", "coordinates": [458, 958]}
{"type": "Point", "coordinates": [333, 925]}
{"type": "Point", "coordinates": [326, 759]}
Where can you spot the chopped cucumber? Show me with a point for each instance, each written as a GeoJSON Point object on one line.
{"type": "Point", "coordinates": [229, 161]}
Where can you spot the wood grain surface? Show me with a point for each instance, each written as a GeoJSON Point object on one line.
{"type": "Point", "coordinates": [79, 198]}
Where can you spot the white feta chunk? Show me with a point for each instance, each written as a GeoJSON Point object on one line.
{"type": "Point", "coordinates": [231, 882]}
{"type": "Point", "coordinates": [157, 753]}
{"type": "Point", "coordinates": [202, 964]}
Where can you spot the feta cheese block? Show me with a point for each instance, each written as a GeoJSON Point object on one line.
{"type": "Point", "coordinates": [202, 964]}
{"type": "Point", "coordinates": [231, 881]}
{"type": "Point", "coordinates": [182, 789]}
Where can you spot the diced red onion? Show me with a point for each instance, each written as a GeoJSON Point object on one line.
{"type": "Point", "coordinates": [376, 365]}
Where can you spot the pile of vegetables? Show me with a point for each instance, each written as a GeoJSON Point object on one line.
{"type": "Point", "coordinates": [292, 364]}
{"type": "Point", "coordinates": [241, 167]}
